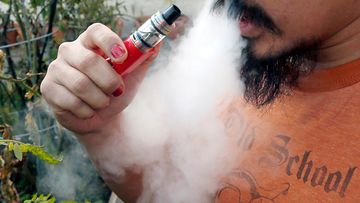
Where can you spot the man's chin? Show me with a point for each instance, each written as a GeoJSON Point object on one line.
{"type": "Point", "coordinates": [269, 74]}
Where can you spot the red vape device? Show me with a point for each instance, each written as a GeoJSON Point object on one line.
{"type": "Point", "coordinates": [140, 45]}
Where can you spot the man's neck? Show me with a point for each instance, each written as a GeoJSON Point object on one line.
{"type": "Point", "coordinates": [341, 48]}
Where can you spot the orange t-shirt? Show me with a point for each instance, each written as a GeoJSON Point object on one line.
{"type": "Point", "coordinates": [303, 148]}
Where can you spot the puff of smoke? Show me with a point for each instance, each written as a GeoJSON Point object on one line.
{"type": "Point", "coordinates": [66, 181]}
{"type": "Point", "coordinates": [172, 129]}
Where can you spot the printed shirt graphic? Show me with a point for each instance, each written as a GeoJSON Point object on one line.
{"type": "Point", "coordinates": [303, 148]}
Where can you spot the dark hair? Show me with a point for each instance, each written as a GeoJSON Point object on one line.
{"type": "Point", "coordinates": [218, 4]}
{"type": "Point", "coordinates": [266, 79]}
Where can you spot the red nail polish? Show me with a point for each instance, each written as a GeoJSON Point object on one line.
{"type": "Point", "coordinates": [118, 92]}
{"type": "Point", "coordinates": [141, 44]}
{"type": "Point", "coordinates": [117, 51]}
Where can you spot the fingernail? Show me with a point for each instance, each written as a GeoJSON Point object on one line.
{"type": "Point", "coordinates": [117, 51]}
{"type": "Point", "coordinates": [118, 92]}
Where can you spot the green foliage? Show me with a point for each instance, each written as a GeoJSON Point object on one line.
{"type": "Point", "coordinates": [22, 69]}
{"type": "Point", "coordinates": [41, 199]}
{"type": "Point", "coordinates": [19, 148]}
{"type": "Point", "coordinates": [26, 22]}
{"type": "Point", "coordinates": [5, 1]}
{"type": "Point", "coordinates": [49, 199]}
{"type": "Point", "coordinates": [74, 16]}
{"type": "Point", "coordinates": [18, 152]}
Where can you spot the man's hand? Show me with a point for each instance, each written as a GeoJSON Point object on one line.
{"type": "Point", "coordinates": [79, 83]}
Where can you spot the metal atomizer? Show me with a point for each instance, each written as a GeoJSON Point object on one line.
{"type": "Point", "coordinates": [154, 30]}
{"type": "Point", "coordinates": [141, 44]}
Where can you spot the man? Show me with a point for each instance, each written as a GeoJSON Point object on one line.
{"type": "Point", "coordinates": [301, 74]}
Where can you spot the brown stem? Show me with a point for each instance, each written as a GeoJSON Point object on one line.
{"type": "Point", "coordinates": [9, 60]}
{"type": "Point", "coordinates": [17, 80]}
{"type": "Point", "coordinates": [8, 190]}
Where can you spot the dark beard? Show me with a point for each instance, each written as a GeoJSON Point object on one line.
{"type": "Point", "coordinates": [268, 78]}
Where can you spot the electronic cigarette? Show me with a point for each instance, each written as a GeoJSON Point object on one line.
{"type": "Point", "coordinates": [140, 45]}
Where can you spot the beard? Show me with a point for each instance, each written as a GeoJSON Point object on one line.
{"type": "Point", "coordinates": [268, 77]}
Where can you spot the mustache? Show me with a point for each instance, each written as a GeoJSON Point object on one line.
{"type": "Point", "coordinates": [240, 10]}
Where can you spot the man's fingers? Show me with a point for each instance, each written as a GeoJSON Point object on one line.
{"type": "Point", "coordinates": [132, 82]}
{"type": "Point", "coordinates": [62, 99]}
{"type": "Point", "coordinates": [87, 79]}
{"type": "Point", "coordinates": [100, 36]}
{"type": "Point", "coordinates": [72, 121]}
{"type": "Point", "coordinates": [79, 85]}
{"type": "Point", "coordinates": [94, 66]}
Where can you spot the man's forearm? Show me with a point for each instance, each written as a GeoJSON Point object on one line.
{"type": "Point", "coordinates": [103, 146]}
{"type": "Point", "coordinates": [107, 149]}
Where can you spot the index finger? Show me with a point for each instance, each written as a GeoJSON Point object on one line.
{"type": "Point", "coordinates": [99, 36]}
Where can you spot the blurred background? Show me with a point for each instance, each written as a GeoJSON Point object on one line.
{"type": "Point", "coordinates": [30, 33]}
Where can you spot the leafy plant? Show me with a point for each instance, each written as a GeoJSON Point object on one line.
{"type": "Point", "coordinates": [41, 26]}
{"type": "Point", "coordinates": [10, 158]}
{"type": "Point", "coordinates": [19, 148]}
{"type": "Point", "coordinates": [49, 199]}
{"type": "Point", "coordinates": [34, 23]}
{"type": "Point", "coordinates": [74, 16]}
{"type": "Point", "coordinates": [41, 199]}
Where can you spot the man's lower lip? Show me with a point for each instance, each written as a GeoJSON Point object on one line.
{"type": "Point", "coordinates": [248, 29]}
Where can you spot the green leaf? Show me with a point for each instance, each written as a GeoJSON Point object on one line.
{"type": "Point", "coordinates": [41, 199]}
{"type": "Point", "coordinates": [52, 200]}
{"type": "Point", "coordinates": [34, 197]}
{"type": "Point", "coordinates": [11, 146]}
{"type": "Point", "coordinates": [38, 151]}
{"type": "Point", "coordinates": [23, 148]}
{"type": "Point", "coordinates": [17, 151]}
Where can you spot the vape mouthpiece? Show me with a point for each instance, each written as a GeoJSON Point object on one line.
{"type": "Point", "coordinates": [171, 14]}
{"type": "Point", "coordinates": [156, 28]}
